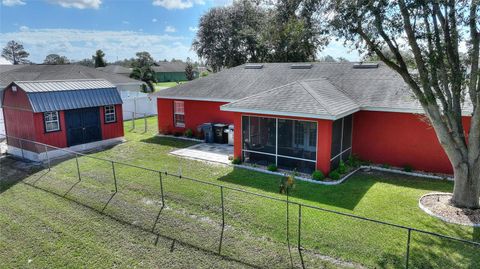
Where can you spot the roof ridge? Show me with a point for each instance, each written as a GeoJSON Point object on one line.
{"type": "Point", "coordinates": [313, 94]}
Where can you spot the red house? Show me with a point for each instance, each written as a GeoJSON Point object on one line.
{"type": "Point", "coordinates": [309, 116]}
{"type": "Point", "coordinates": [75, 114]}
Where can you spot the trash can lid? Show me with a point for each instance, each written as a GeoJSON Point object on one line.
{"type": "Point", "coordinates": [219, 125]}
{"type": "Point", "coordinates": [230, 126]}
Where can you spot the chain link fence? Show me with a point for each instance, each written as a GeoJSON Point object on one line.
{"type": "Point", "coordinates": [275, 232]}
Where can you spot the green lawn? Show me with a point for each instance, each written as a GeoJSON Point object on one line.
{"type": "Point", "coordinates": [164, 85]}
{"type": "Point", "coordinates": [50, 220]}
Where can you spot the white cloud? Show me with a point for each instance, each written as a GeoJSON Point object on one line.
{"type": "Point", "coordinates": [154, 20]}
{"type": "Point", "coordinates": [79, 44]}
{"type": "Point", "coordinates": [80, 4]}
{"type": "Point", "coordinates": [11, 3]}
{"type": "Point", "coordinates": [170, 29]}
{"type": "Point", "coordinates": [125, 22]}
{"type": "Point", "coordinates": [193, 29]}
{"type": "Point", "coordinates": [23, 28]}
{"type": "Point", "coordinates": [177, 4]}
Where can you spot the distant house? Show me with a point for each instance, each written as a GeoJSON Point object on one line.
{"type": "Point", "coordinates": [116, 69]}
{"type": "Point", "coordinates": [171, 71]}
{"type": "Point", "coordinates": [75, 114]}
{"type": "Point", "coordinates": [310, 116]}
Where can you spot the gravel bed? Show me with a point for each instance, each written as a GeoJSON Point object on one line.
{"type": "Point", "coordinates": [438, 205]}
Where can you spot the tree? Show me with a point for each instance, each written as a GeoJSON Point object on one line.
{"type": "Point", "coordinates": [144, 59]}
{"type": "Point", "coordinates": [15, 53]}
{"type": "Point", "coordinates": [55, 59]}
{"type": "Point", "coordinates": [142, 69]}
{"type": "Point", "coordinates": [98, 59]}
{"type": "Point", "coordinates": [86, 62]}
{"type": "Point", "coordinates": [441, 79]}
{"type": "Point", "coordinates": [327, 58]}
{"type": "Point", "coordinates": [189, 71]}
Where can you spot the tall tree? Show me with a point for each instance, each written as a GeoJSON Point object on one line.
{"type": "Point", "coordinates": [142, 69]}
{"type": "Point", "coordinates": [98, 58]}
{"type": "Point", "coordinates": [56, 59]}
{"type": "Point", "coordinates": [15, 53]}
{"type": "Point", "coordinates": [189, 71]}
{"type": "Point", "coordinates": [441, 79]}
{"type": "Point", "coordinates": [86, 62]}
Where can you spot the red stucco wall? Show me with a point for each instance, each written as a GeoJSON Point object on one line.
{"type": "Point", "coordinates": [399, 139]}
{"type": "Point", "coordinates": [196, 113]}
{"type": "Point", "coordinates": [115, 129]}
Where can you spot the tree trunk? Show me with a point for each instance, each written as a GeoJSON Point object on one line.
{"type": "Point", "coordinates": [466, 190]}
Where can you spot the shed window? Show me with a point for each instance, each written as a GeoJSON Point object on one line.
{"type": "Point", "coordinates": [179, 114]}
{"type": "Point", "coordinates": [52, 123]}
{"type": "Point", "coordinates": [110, 115]}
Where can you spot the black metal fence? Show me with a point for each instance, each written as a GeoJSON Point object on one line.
{"type": "Point", "coordinates": [304, 234]}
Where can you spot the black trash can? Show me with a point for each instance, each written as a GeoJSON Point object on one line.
{"type": "Point", "coordinates": [220, 136]}
{"type": "Point", "coordinates": [207, 129]}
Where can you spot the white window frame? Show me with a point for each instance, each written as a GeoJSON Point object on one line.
{"type": "Point", "coordinates": [49, 122]}
{"type": "Point", "coordinates": [107, 113]}
{"type": "Point", "coordinates": [178, 109]}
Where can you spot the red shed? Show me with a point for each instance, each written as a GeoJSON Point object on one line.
{"type": "Point", "coordinates": [75, 114]}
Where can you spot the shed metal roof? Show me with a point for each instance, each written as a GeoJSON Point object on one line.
{"type": "Point", "coordinates": [69, 94]}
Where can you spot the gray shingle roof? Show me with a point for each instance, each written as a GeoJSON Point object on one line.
{"type": "Point", "coordinates": [61, 72]}
{"type": "Point", "coordinates": [116, 69]}
{"type": "Point", "coordinates": [316, 98]}
{"type": "Point", "coordinates": [168, 67]}
{"type": "Point", "coordinates": [69, 94]}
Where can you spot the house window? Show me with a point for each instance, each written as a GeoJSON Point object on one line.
{"type": "Point", "coordinates": [52, 122]}
{"type": "Point", "coordinates": [110, 115]}
{"type": "Point", "coordinates": [179, 114]}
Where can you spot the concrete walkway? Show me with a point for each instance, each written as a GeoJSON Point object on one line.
{"type": "Point", "coordinates": [207, 152]}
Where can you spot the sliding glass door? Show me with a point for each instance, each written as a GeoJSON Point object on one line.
{"type": "Point", "coordinates": [289, 144]}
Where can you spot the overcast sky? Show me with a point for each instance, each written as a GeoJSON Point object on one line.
{"type": "Point", "coordinates": [76, 28]}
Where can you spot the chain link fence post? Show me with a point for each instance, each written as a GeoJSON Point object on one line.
{"type": "Point", "coordinates": [223, 221]}
{"type": "Point", "coordinates": [145, 121]}
{"type": "Point", "coordinates": [299, 243]}
{"type": "Point", "coordinates": [288, 228]}
{"type": "Point", "coordinates": [114, 176]}
{"type": "Point", "coordinates": [21, 148]}
{"type": "Point", "coordinates": [407, 254]}
{"type": "Point", "coordinates": [78, 168]}
{"type": "Point", "coordinates": [133, 120]}
{"type": "Point", "coordinates": [48, 158]}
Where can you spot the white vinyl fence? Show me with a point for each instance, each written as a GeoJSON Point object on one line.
{"type": "Point", "coordinates": [141, 104]}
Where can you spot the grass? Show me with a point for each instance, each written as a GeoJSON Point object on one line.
{"type": "Point", "coordinates": [163, 85]}
{"type": "Point", "coordinates": [51, 220]}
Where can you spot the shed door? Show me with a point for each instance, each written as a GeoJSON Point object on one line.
{"type": "Point", "coordinates": [83, 126]}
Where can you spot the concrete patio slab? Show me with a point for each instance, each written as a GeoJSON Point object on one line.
{"type": "Point", "coordinates": [207, 152]}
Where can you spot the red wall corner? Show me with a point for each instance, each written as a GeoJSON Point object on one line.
{"type": "Point", "coordinates": [237, 135]}
{"type": "Point", "coordinates": [324, 145]}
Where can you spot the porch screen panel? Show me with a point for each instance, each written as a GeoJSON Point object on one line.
{"type": "Point", "coordinates": [336, 138]}
{"type": "Point", "coordinates": [341, 140]}
{"type": "Point", "coordinates": [297, 139]}
{"type": "Point", "coordinates": [347, 137]}
{"type": "Point", "coordinates": [299, 165]}
{"type": "Point", "coordinates": [259, 134]}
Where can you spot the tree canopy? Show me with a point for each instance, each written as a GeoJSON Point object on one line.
{"type": "Point", "coordinates": [56, 59]}
{"type": "Point", "coordinates": [420, 40]}
{"type": "Point", "coordinates": [15, 53]}
{"type": "Point", "coordinates": [98, 58]}
{"type": "Point", "coordinates": [256, 31]}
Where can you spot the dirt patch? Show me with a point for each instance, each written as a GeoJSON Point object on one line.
{"type": "Point", "coordinates": [438, 205]}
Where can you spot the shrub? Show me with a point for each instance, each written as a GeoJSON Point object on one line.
{"type": "Point", "coordinates": [318, 175]}
{"type": "Point", "coordinates": [354, 161]}
{"type": "Point", "coordinates": [189, 133]}
{"type": "Point", "coordinates": [236, 161]}
{"type": "Point", "coordinates": [272, 168]}
{"type": "Point", "coordinates": [177, 134]}
{"type": "Point", "coordinates": [342, 168]}
{"type": "Point", "coordinates": [334, 175]}
{"type": "Point", "coordinates": [407, 168]}
{"type": "Point", "coordinates": [386, 165]}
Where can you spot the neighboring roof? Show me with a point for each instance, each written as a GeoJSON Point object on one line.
{"type": "Point", "coordinates": [69, 94]}
{"type": "Point", "coordinates": [61, 72]}
{"type": "Point", "coordinates": [116, 69]}
{"type": "Point", "coordinates": [169, 67]}
{"type": "Point", "coordinates": [316, 98]}
{"type": "Point", "coordinates": [9, 67]}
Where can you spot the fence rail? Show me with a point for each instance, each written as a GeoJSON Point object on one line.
{"type": "Point", "coordinates": [25, 145]}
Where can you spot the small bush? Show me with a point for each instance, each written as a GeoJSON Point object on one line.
{"type": "Point", "coordinates": [407, 168]}
{"type": "Point", "coordinates": [236, 161]}
{"type": "Point", "coordinates": [189, 133]}
{"type": "Point", "coordinates": [272, 168]}
{"type": "Point", "coordinates": [354, 161]}
{"type": "Point", "coordinates": [334, 175]}
{"type": "Point", "coordinates": [318, 175]}
{"type": "Point", "coordinates": [177, 134]}
{"type": "Point", "coordinates": [342, 168]}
